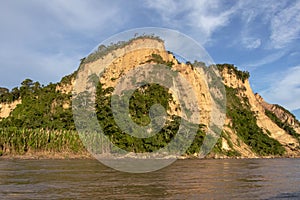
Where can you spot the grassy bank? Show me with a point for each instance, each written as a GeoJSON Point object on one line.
{"type": "Point", "coordinates": [15, 141]}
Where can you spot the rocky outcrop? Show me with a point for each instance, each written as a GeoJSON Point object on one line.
{"type": "Point", "coordinates": [258, 106]}
{"type": "Point", "coordinates": [140, 51]}
{"type": "Point", "coordinates": [237, 144]}
{"type": "Point", "coordinates": [7, 108]}
{"type": "Point", "coordinates": [281, 113]}
{"type": "Point", "coordinates": [137, 53]}
{"type": "Point", "coordinates": [65, 88]}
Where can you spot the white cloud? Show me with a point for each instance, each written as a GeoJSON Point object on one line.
{"type": "Point", "coordinates": [203, 17]}
{"type": "Point", "coordinates": [265, 60]}
{"type": "Point", "coordinates": [276, 23]}
{"type": "Point", "coordinates": [286, 89]}
{"type": "Point", "coordinates": [45, 40]}
{"type": "Point", "coordinates": [251, 43]}
{"type": "Point", "coordinates": [264, 11]}
{"type": "Point", "coordinates": [285, 26]}
{"type": "Point", "coordinates": [39, 36]}
{"type": "Point", "coordinates": [209, 16]}
{"type": "Point", "coordinates": [83, 15]}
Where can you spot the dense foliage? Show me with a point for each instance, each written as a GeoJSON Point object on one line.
{"type": "Point", "coordinates": [140, 103]}
{"type": "Point", "coordinates": [8, 97]}
{"type": "Point", "coordinates": [3, 90]}
{"type": "Point", "coordinates": [245, 125]}
{"type": "Point", "coordinates": [41, 107]}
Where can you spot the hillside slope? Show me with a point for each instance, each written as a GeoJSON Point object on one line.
{"type": "Point", "coordinates": [253, 128]}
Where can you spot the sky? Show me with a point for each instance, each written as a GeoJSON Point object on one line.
{"type": "Point", "coordinates": [45, 40]}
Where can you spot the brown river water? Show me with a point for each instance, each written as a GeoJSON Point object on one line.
{"type": "Point", "coordinates": [184, 179]}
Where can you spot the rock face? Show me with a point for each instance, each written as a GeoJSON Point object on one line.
{"type": "Point", "coordinates": [6, 108]}
{"type": "Point", "coordinates": [65, 88]}
{"type": "Point", "coordinates": [282, 114]}
{"type": "Point", "coordinates": [258, 106]}
{"type": "Point", "coordinates": [137, 53]}
{"type": "Point", "coordinates": [140, 51]}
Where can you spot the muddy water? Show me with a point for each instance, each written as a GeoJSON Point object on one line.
{"type": "Point", "coordinates": [184, 179]}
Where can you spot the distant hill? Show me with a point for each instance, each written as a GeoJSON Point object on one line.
{"type": "Point", "coordinates": [36, 118]}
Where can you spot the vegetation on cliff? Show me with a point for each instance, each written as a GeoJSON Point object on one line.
{"type": "Point", "coordinates": [41, 108]}
{"type": "Point", "coordinates": [139, 106]}
{"type": "Point", "coordinates": [3, 91]}
{"type": "Point", "coordinates": [41, 123]}
{"type": "Point", "coordinates": [44, 119]}
{"type": "Point", "coordinates": [231, 69]}
{"type": "Point", "coordinates": [103, 50]}
{"type": "Point", "coordinates": [283, 125]}
{"type": "Point", "coordinates": [244, 123]}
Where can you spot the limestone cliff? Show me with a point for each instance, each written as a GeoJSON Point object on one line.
{"type": "Point", "coordinates": [7, 108]}
{"type": "Point", "coordinates": [281, 113]}
{"type": "Point", "coordinates": [259, 107]}
{"type": "Point", "coordinates": [274, 121]}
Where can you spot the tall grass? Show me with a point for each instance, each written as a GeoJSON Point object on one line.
{"type": "Point", "coordinates": [21, 141]}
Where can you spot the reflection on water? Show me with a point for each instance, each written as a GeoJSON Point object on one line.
{"type": "Point", "coordinates": [185, 179]}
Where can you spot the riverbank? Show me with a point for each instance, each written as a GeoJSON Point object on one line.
{"type": "Point", "coordinates": [47, 155]}
{"type": "Point", "coordinates": [86, 155]}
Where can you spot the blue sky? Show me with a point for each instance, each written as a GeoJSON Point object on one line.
{"type": "Point", "coordinates": [44, 40]}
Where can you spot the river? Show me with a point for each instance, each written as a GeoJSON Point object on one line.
{"type": "Point", "coordinates": [184, 179]}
